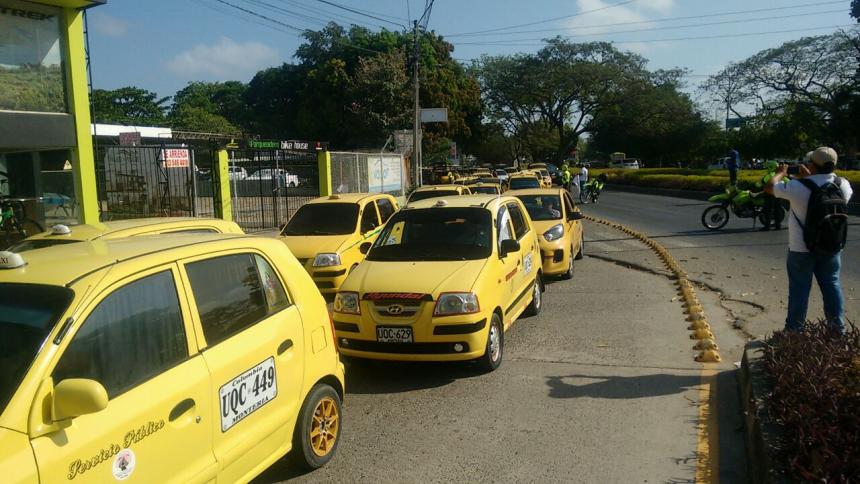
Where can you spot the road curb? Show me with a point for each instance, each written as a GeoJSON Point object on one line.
{"type": "Point", "coordinates": [762, 436]}
{"type": "Point", "coordinates": [699, 326]}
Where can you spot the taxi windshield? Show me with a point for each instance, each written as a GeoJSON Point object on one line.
{"type": "Point", "coordinates": [33, 244]}
{"type": "Point", "coordinates": [435, 234]}
{"type": "Point", "coordinates": [518, 183]}
{"type": "Point", "coordinates": [487, 190]}
{"type": "Point", "coordinates": [542, 207]}
{"type": "Point", "coordinates": [323, 219]}
{"type": "Point", "coordinates": [28, 312]}
{"type": "Point", "coordinates": [431, 194]}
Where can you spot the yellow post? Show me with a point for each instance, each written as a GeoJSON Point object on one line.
{"type": "Point", "coordinates": [221, 177]}
{"type": "Point", "coordinates": [83, 160]}
{"type": "Point", "coordinates": [324, 160]}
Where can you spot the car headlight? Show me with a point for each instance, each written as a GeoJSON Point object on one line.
{"type": "Point", "coordinates": [347, 303]}
{"type": "Point", "coordinates": [326, 260]}
{"type": "Point", "coordinates": [456, 303]}
{"type": "Point", "coordinates": [556, 232]}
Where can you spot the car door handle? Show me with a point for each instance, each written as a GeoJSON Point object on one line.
{"type": "Point", "coordinates": [285, 346]}
{"type": "Point", "coordinates": [180, 409]}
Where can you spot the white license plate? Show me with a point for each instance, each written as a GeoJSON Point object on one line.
{"type": "Point", "coordinates": [246, 393]}
{"type": "Point", "coordinates": [387, 334]}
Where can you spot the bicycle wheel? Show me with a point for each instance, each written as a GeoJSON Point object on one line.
{"type": "Point", "coordinates": [583, 195]}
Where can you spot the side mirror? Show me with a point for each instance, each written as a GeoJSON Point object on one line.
{"type": "Point", "coordinates": [508, 246]}
{"type": "Point", "coordinates": [575, 216]}
{"type": "Point", "coordinates": [364, 248]}
{"type": "Point", "coordinates": [77, 396]}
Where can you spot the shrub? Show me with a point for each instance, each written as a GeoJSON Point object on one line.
{"type": "Point", "coordinates": [816, 401]}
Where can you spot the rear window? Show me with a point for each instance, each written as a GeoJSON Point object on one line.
{"type": "Point", "coordinates": [28, 313]}
{"type": "Point", "coordinates": [26, 245]}
{"type": "Point", "coordinates": [520, 183]}
{"type": "Point", "coordinates": [431, 194]}
{"type": "Point", "coordinates": [323, 219]}
{"type": "Point", "coordinates": [487, 190]}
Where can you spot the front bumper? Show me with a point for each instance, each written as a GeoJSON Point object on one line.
{"type": "Point", "coordinates": [555, 256]}
{"type": "Point", "coordinates": [448, 338]}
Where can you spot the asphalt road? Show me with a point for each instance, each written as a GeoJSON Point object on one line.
{"type": "Point", "coordinates": [600, 387]}
{"type": "Point", "coordinates": [745, 265]}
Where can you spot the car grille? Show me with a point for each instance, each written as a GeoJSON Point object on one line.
{"type": "Point", "coordinates": [396, 308]}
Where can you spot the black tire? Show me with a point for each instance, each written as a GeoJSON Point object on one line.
{"type": "Point", "coordinates": [535, 306]}
{"type": "Point", "coordinates": [715, 217]}
{"type": "Point", "coordinates": [581, 253]}
{"type": "Point", "coordinates": [568, 274]}
{"type": "Point", "coordinates": [495, 347]}
{"type": "Point", "coordinates": [314, 415]}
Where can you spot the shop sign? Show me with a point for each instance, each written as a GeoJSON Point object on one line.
{"type": "Point", "coordinates": [175, 158]}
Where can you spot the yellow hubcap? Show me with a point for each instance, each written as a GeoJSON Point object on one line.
{"type": "Point", "coordinates": [325, 425]}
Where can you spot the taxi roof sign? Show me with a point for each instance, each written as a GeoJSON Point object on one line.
{"type": "Point", "coordinates": [11, 260]}
{"type": "Point", "coordinates": [60, 229]}
{"type": "Point", "coordinates": [441, 203]}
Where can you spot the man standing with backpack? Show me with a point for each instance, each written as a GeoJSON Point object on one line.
{"type": "Point", "coordinates": [817, 230]}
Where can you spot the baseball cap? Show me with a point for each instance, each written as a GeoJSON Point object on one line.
{"type": "Point", "coordinates": [824, 155]}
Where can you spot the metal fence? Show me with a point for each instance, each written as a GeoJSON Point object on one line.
{"type": "Point", "coordinates": [368, 172]}
{"type": "Point", "coordinates": [268, 186]}
{"type": "Point", "coordinates": [153, 181]}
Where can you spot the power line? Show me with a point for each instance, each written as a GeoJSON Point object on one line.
{"type": "Point", "coordinates": [665, 19]}
{"type": "Point", "coordinates": [707, 24]}
{"type": "Point", "coordinates": [677, 39]}
{"type": "Point", "coordinates": [259, 15]}
{"type": "Point", "coordinates": [243, 18]}
{"type": "Point", "coordinates": [348, 9]}
{"type": "Point", "coordinates": [330, 16]}
{"type": "Point", "coordinates": [564, 17]}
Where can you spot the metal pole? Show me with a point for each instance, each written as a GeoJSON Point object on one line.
{"type": "Point", "coordinates": [416, 127]}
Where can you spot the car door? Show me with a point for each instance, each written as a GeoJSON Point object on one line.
{"type": "Point", "coordinates": [524, 233]}
{"type": "Point", "coordinates": [138, 343]}
{"type": "Point", "coordinates": [510, 263]}
{"type": "Point", "coordinates": [251, 336]}
{"type": "Point", "coordinates": [574, 227]}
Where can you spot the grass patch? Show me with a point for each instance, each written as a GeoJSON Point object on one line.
{"type": "Point", "coordinates": [691, 179]}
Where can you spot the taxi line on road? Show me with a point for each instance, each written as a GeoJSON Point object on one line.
{"type": "Point", "coordinates": [707, 452]}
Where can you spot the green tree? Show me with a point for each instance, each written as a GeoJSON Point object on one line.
{"type": "Point", "coordinates": [129, 105]}
{"type": "Point", "coordinates": [212, 107]}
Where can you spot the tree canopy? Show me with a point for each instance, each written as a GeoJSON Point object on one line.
{"type": "Point", "coordinates": [129, 105]}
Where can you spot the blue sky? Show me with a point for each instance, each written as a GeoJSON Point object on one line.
{"type": "Point", "coordinates": [161, 45]}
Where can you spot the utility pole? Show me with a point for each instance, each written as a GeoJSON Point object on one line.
{"type": "Point", "coordinates": [416, 127]}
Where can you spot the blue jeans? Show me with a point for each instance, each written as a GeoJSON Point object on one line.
{"type": "Point", "coordinates": [801, 267]}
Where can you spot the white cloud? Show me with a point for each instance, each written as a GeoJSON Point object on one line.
{"type": "Point", "coordinates": [108, 25]}
{"type": "Point", "coordinates": [224, 60]}
{"type": "Point", "coordinates": [639, 11]}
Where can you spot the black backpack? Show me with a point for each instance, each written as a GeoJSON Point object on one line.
{"type": "Point", "coordinates": [826, 226]}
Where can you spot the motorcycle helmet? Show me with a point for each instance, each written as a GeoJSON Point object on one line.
{"type": "Point", "coordinates": [771, 165]}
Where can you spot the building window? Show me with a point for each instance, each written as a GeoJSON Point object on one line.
{"type": "Point", "coordinates": [31, 58]}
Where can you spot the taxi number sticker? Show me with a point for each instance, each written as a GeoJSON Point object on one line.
{"type": "Point", "coordinates": [527, 264]}
{"type": "Point", "coordinates": [246, 393]}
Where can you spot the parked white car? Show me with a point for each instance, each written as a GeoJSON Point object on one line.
{"type": "Point", "coordinates": [626, 163]}
{"type": "Point", "coordinates": [286, 179]}
{"type": "Point", "coordinates": [236, 173]}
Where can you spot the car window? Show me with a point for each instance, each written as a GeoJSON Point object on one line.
{"type": "Point", "coordinates": [134, 334]}
{"type": "Point", "coordinates": [519, 183]}
{"type": "Point", "coordinates": [228, 293]}
{"type": "Point", "coordinates": [369, 219]}
{"type": "Point", "coordinates": [435, 234]}
{"type": "Point", "coordinates": [386, 209]}
{"type": "Point", "coordinates": [323, 219]}
{"type": "Point", "coordinates": [432, 194]}
{"type": "Point", "coordinates": [542, 207]}
{"type": "Point", "coordinates": [520, 225]}
{"type": "Point", "coordinates": [569, 206]}
{"type": "Point", "coordinates": [276, 296]}
{"type": "Point", "coordinates": [504, 228]}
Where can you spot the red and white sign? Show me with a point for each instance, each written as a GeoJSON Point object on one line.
{"type": "Point", "coordinates": [175, 158]}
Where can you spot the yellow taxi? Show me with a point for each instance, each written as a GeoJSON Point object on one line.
{"type": "Point", "coordinates": [189, 358]}
{"type": "Point", "coordinates": [559, 223]}
{"type": "Point", "coordinates": [444, 280]}
{"type": "Point", "coordinates": [435, 191]}
{"type": "Point", "coordinates": [486, 188]}
{"type": "Point", "coordinates": [63, 234]}
{"type": "Point", "coordinates": [525, 179]}
{"type": "Point", "coordinates": [326, 233]}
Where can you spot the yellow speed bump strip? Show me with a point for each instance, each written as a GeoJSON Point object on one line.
{"type": "Point", "coordinates": [699, 327]}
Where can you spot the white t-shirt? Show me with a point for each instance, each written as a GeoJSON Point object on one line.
{"type": "Point", "coordinates": [798, 196]}
{"type": "Point", "coordinates": [583, 174]}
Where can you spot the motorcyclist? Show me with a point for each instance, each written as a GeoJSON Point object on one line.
{"type": "Point", "coordinates": [772, 210]}
{"type": "Point", "coordinates": [565, 176]}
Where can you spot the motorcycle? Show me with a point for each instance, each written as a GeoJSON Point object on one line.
{"type": "Point", "coordinates": [743, 203]}
{"type": "Point", "coordinates": [592, 189]}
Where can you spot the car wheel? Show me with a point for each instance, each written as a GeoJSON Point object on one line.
{"type": "Point", "coordinates": [492, 358]}
{"type": "Point", "coordinates": [318, 429]}
{"type": "Point", "coordinates": [568, 274]}
{"type": "Point", "coordinates": [537, 297]}
{"type": "Point", "coordinates": [581, 253]}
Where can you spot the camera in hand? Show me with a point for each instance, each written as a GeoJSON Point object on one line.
{"type": "Point", "coordinates": [794, 170]}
